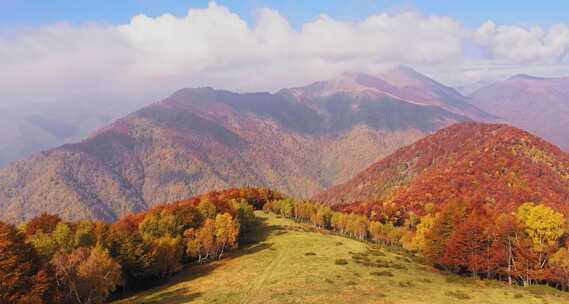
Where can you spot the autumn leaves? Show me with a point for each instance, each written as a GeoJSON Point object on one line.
{"type": "Point", "coordinates": [213, 238]}
{"type": "Point", "coordinates": [527, 246]}
{"type": "Point", "coordinates": [49, 260]}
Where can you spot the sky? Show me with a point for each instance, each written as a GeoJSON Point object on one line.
{"type": "Point", "coordinates": [116, 50]}
{"type": "Point", "coordinates": [14, 13]}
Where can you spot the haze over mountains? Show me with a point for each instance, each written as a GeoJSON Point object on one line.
{"type": "Point", "coordinates": [543, 110]}
{"type": "Point", "coordinates": [538, 105]}
{"type": "Point", "coordinates": [29, 128]}
{"type": "Point", "coordinates": [298, 141]}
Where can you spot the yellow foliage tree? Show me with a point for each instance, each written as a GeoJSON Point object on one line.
{"type": "Point", "coordinates": [543, 225]}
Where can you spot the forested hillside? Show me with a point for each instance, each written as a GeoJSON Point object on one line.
{"type": "Point", "coordinates": [490, 165]}
{"type": "Point", "coordinates": [298, 141]}
{"type": "Point", "coordinates": [478, 199]}
{"type": "Point", "coordinates": [49, 260]}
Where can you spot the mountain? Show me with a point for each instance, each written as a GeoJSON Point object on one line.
{"type": "Point", "coordinates": [469, 88]}
{"type": "Point", "coordinates": [473, 162]}
{"type": "Point", "coordinates": [30, 128]}
{"type": "Point", "coordinates": [298, 141]}
{"type": "Point", "coordinates": [421, 89]}
{"type": "Point", "coordinates": [539, 105]}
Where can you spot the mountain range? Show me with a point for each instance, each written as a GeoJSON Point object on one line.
{"type": "Point", "coordinates": [299, 141]}
{"type": "Point", "coordinates": [539, 105]}
{"type": "Point", "coordinates": [29, 128]}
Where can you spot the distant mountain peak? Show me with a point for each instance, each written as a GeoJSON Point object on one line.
{"type": "Point", "coordinates": [526, 77]}
{"type": "Point", "coordinates": [348, 82]}
{"type": "Point", "coordinates": [201, 139]}
{"type": "Point", "coordinates": [403, 76]}
{"type": "Point", "coordinates": [407, 70]}
{"type": "Point", "coordinates": [537, 104]}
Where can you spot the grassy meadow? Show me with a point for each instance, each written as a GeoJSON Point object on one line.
{"type": "Point", "coordinates": [288, 263]}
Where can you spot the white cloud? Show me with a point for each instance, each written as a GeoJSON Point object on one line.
{"type": "Point", "coordinates": [520, 44]}
{"type": "Point", "coordinates": [150, 57]}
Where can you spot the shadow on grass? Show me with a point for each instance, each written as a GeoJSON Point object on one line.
{"type": "Point", "coordinates": [251, 242]}
{"type": "Point", "coordinates": [176, 296]}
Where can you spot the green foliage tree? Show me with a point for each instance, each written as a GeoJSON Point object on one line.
{"type": "Point", "coordinates": [166, 255]}
{"type": "Point", "coordinates": [85, 234]}
{"type": "Point", "coordinates": [44, 244]}
{"type": "Point", "coordinates": [64, 237]}
{"type": "Point", "coordinates": [244, 214]}
{"type": "Point", "coordinates": [207, 209]}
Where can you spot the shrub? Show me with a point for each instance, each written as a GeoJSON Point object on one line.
{"type": "Point", "coordinates": [341, 262]}
{"type": "Point", "coordinates": [461, 295]}
{"type": "Point", "coordinates": [310, 253]}
{"type": "Point", "coordinates": [453, 278]}
{"type": "Point", "coordinates": [339, 243]}
{"type": "Point", "coordinates": [366, 263]}
{"type": "Point", "coordinates": [360, 258]}
{"type": "Point", "coordinates": [404, 259]}
{"type": "Point", "coordinates": [385, 273]}
{"type": "Point", "coordinates": [383, 264]}
{"type": "Point", "coordinates": [377, 253]}
{"type": "Point", "coordinates": [406, 284]}
{"type": "Point", "coordinates": [398, 266]}
{"type": "Point", "coordinates": [518, 296]}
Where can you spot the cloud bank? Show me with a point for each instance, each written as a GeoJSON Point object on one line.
{"type": "Point", "coordinates": [150, 57]}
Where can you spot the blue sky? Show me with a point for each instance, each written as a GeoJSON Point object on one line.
{"type": "Point", "coordinates": [29, 13]}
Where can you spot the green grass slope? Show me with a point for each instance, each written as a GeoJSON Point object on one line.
{"type": "Point", "coordinates": [287, 263]}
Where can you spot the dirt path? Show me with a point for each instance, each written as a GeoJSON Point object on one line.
{"type": "Point", "coordinates": [258, 283]}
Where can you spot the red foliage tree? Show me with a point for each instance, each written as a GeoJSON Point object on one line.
{"type": "Point", "coordinates": [470, 246]}
{"type": "Point", "coordinates": [22, 277]}
{"type": "Point", "coordinates": [44, 222]}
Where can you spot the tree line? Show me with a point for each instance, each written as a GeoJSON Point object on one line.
{"type": "Point", "coordinates": [49, 260]}
{"type": "Point", "coordinates": [527, 246]}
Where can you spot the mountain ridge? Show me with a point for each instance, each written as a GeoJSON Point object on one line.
{"type": "Point", "coordinates": [537, 104]}
{"type": "Point", "coordinates": [199, 140]}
